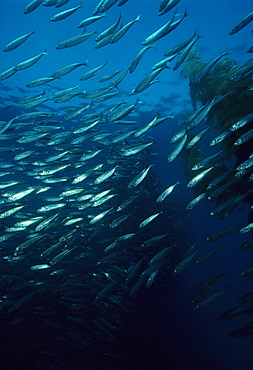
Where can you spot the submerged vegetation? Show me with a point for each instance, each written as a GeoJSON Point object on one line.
{"type": "Point", "coordinates": [86, 225]}
{"type": "Point", "coordinates": [233, 102]}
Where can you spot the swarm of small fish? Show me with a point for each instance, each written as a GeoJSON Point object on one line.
{"type": "Point", "coordinates": [77, 235]}
{"type": "Point", "coordinates": [210, 177]}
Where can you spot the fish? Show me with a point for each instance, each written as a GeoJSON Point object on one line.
{"type": "Point", "coordinates": [185, 53]}
{"type": "Point", "coordinates": [50, 207]}
{"type": "Point", "coordinates": [85, 223]}
{"type": "Point", "coordinates": [207, 68]}
{"type": "Point", "coordinates": [242, 332]}
{"type": "Point", "coordinates": [132, 150]}
{"type": "Point", "coordinates": [200, 114]}
{"type": "Point", "coordinates": [220, 137]}
{"type": "Point", "coordinates": [49, 2]}
{"type": "Point", "coordinates": [148, 220]}
{"type": "Point", "coordinates": [166, 192]}
{"type": "Point", "coordinates": [75, 112]}
{"type": "Point", "coordinates": [211, 299]}
{"type": "Point", "coordinates": [138, 57]}
{"type": "Point", "coordinates": [100, 195]}
{"type": "Point", "coordinates": [210, 281]}
{"type": "Point", "coordinates": [176, 49]}
{"type": "Point", "coordinates": [246, 273]}
{"type": "Point", "coordinates": [243, 23]}
{"type": "Point", "coordinates": [245, 246]}
{"type": "Point", "coordinates": [42, 225]}
{"type": "Point", "coordinates": [139, 178]}
{"type": "Point", "coordinates": [97, 93]}
{"type": "Point", "coordinates": [164, 62]}
{"type": "Point", "coordinates": [90, 20]}
{"type": "Point", "coordinates": [244, 138]}
{"type": "Point", "coordinates": [8, 73]}
{"type": "Point", "coordinates": [26, 223]}
{"type": "Point", "coordinates": [115, 82]}
{"type": "Point", "coordinates": [63, 92]}
{"type": "Point", "coordinates": [103, 6]}
{"type": "Point", "coordinates": [166, 6]}
{"type": "Point", "coordinates": [108, 77]}
{"type": "Point", "coordinates": [242, 73]}
{"type": "Point", "coordinates": [17, 42]}
{"type": "Point", "coordinates": [196, 179]}
{"type": "Point", "coordinates": [176, 151]}
{"type": "Point", "coordinates": [66, 13]}
{"type": "Point", "coordinates": [105, 175]}
{"type": "Point", "coordinates": [32, 6]}
{"type": "Point", "coordinates": [92, 72]}
{"type": "Point", "coordinates": [101, 215]}
{"type": "Point", "coordinates": [76, 40]}
{"type": "Point", "coordinates": [151, 278]}
{"type": "Point", "coordinates": [196, 139]}
{"type": "Point", "coordinates": [61, 3]}
{"type": "Point", "coordinates": [29, 62]}
{"type": "Point", "coordinates": [147, 81]}
{"type": "Point", "coordinates": [164, 30]}
{"type": "Point", "coordinates": [146, 127]}
{"type": "Point", "coordinates": [65, 70]}
{"type": "Point", "coordinates": [187, 257]}
{"type": "Point", "coordinates": [10, 212]}
{"type": "Point", "coordinates": [123, 30]}
{"type": "Point", "coordinates": [40, 267]}
{"type": "Point", "coordinates": [241, 123]}
{"type": "Point", "coordinates": [40, 81]}
{"type": "Point", "coordinates": [160, 255]}
{"type": "Point", "coordinates": [246, 298]}
{"type": "Point", "coordinates": [231, 313]}
{"type": "Point", "coordinates": [7, 125]}
{"type": "Point", "coordinates": [109, 31]}
{"type": "Point", "coordinates": [153, 241]}
{"type": "Point", "coordinates": [20, 194]}
{"type": "Point", "coordinates": [220, 234]}
{"type": "Point", "coordinates": [205, 257]}
{"type": "Point", "coordinates": [119, 220]}
{"type": "Point", "coordinates": [205, 162]}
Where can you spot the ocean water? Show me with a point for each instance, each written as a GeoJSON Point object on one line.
{"type": "Point", "coordinates": [154, 328]}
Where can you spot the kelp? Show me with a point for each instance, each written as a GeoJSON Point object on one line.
{"type": "Point", "coordinates": [235, 103]}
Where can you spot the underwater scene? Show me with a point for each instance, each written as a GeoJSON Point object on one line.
{"type": "Point", "coordinates": [126, 185]}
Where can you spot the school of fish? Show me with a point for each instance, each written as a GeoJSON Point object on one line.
{"type": "Point", "coordinates": [85, 224]}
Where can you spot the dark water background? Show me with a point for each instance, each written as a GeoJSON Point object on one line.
{"type": "Point", "coordinates": [164, 332]}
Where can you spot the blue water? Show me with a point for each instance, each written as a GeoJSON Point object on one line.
{"type": "Point", "coordinates": [179, 337]}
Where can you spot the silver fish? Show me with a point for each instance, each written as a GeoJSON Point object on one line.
{"type": "Point", "coordinates": [17, 42]}
{"type": "Point", "coordinates": [148, 220]}
{"type": "Point", "coordinates": [139, 178]}
{"type": "Point", "coordinates": [90, 20]}
{"type": "Point", "coordinates": [105, 175]}
{"type": "Point", "coordinates": [166, 192]}
{"type": "Point", "coordinates": [93, 72]}
{"type": "Point", "coordinates": [135, 149]}
{"type": "Point", "coordinates": [122, 31]}
{"type": "Point", "coordinates": [65, 14]}
{"type": "Point", "coordinates": [40, 81]}
{"type": "Point", "coordinates": [32, 6]}
{"type": "Point", "coordinates": [65, 70]}
{"type": "Point", "coordinates": [76, 40]}
{"type": "Point", "coordinates": [177, 150]}
{"type": "Point", "coordinates": [138, 57]}
{"type": "Point", "coordinates": [29, 62]}
{"type": "Point", "coordinates": [100, 216]}
{"type": "Point", "coordinates": [198, 178]}
{"type": "Point", "coordinates": [244, 22]}
{"type": "Point", "coordinates": [204, 71]}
